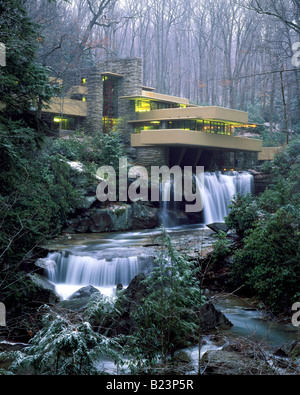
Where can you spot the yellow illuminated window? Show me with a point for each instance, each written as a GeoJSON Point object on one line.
{"type": "Point", "coordinates": [62, 123]}
{"type": "Point", "coordinates": [141, 106]}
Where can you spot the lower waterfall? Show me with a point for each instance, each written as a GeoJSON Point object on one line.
{"type": "Point", "coordinates": [69, 272]}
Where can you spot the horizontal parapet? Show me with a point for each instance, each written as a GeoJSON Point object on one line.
{"type": "Point", "coordinates": [66, 106]}
{"type": "Point", "coordinates": [268, 153]}
{"type": "Point", "coordinates": [187, 138]}
{"type": "Point", "coordinates": [197, 112]}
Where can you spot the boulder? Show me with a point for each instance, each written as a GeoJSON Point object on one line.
{"type": "Point", "coordinates": [83, 225]}
{"type": "Point", "coordinates": [100, 220]}
{"type": "Point", "coordinates": [84, 292]}
{"type": "Point", "coordinates": [218, 226]}
{"type": "Point", "coordinates": [44, 290]}
{"type": "Point", "coordinates": [127, 303]}
{"type": "Point", "coordinates": [144, 216]}
{"type": "Point", "coordinates": [87, 202]}
{"type": "Point", "coordinates": [117, 217]}
{"type": "Point", "coordinates": [79, 299]}
{"type": "Point", "coordinates": [213, 319]}
{"type": "Point", "coordinates": [46, 263]}
{"type": "Point", "coordinates": [131, 153]}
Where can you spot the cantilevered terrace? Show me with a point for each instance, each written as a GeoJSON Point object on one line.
{"type": "Point", "coordinates": [163, 120]}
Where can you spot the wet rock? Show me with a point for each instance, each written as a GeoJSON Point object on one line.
{"type": "Point", "coordinates": [43, 289]}
{"type": "Point", "coordinates": [182, 357]}
{"type": "Point", "coordinates": [45, 263]}
{"type": "Point", "coordinates": [222, 362]}
{"type": "Point", "coordinates": [100, 221]}
{"type": "Point", "coordinates": [218, 226]}
{"type": "Point", "coordinates": [115, 218]}
{"type": "Point", "coordinates": [87, 202]}
{"type": "Point", "coordinates": [84, 292]}
{"type": "Point", "coordinates": [212, 319]}
{"type": "Point", "coordinates": [127, 304]}
{"type": "Point", "coordinates": [262, 180]}
{"type": "Point", "coordinates": [144, 216]}
{"type": "Point", "coordinates": [83, 225]}
{"type": "Point", "coordinates": [79, 299]}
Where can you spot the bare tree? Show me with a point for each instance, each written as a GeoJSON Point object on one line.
{"type": "Point", "coordinates": [287, 12]}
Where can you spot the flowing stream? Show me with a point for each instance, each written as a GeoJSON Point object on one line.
{"type": "Point", "coordinates": [107, 259]}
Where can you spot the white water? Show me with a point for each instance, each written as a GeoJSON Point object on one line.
{"type": "Point", "coordinates": [71, 272]}
{"type": "Point", "coordinates": [216, 190]}
{"type": "Point", "coordinates": [111, 262]}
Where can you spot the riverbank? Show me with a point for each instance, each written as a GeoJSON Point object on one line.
{"type": "Point", "coordinates": [264, 346]}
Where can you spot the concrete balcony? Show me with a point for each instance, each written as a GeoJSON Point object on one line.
{"type": "Point", "coordinates": [209, 113]}
{"type": "Point", "coordinates": [188, 138]}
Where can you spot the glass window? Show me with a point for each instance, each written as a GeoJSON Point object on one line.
{"type": "Point", "coordinates": [199, 125]}
{"type": "Point", "coordinates": [141, 106]}
{"type": "Point", "coordinates": [206, 126]}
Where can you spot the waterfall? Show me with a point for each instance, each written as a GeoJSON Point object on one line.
{"type": "Point", "coordinates": [72, 272]}
{"type": "Point", "coordinates": [168, 206]}
{"type": "Point", "coordinates": [216, 190]}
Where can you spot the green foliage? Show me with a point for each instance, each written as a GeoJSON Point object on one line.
{"type": "Point", "coordinates": [64, 347]}
{"type": "Point", "coordinates": [74, 148]}
{"type": "Point", "coordinates": [278, 138]}
{"type": "Point", "coordinates": [269, 262]}
{"type": "Point", "coordinates": [285, 172]}
{"type": "Point", "coordinates": [222, 246]}
{"type": "Point", "coordinates": [35, 189]}
{"type": "Point", "coordinates": [111, 149]}
{"type": "Point", "coordinates": [37, 196]}
{"type": "Point", "coordinates": [168, 316]}
{"type": "Point", "coordinates": [23, 82]}
{"type": "Point", "coordinates": [287, 157]}
{"type": "Point", "coordinates": [100, 149]}
{"type": "Point", "coordinates": [100, 313]}
{"type": "Point", "coordinates": [243, 213]}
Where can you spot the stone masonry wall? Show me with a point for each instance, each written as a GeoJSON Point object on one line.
{"type": "Point", "coordinates": [129, 84]}
{"type": "Point", "coordinates": [247, 160]}
{"type": "Point", "coordinates": [152, 156]}
{"type": "Point", "coordinates": [94, 101]}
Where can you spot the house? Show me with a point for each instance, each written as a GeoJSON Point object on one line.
{"type": "Point", "coordinates": [158, 129]}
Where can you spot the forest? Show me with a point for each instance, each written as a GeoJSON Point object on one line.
{"type": "Point", "coordinates": [241, 54]}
